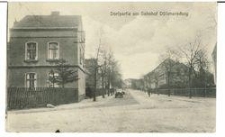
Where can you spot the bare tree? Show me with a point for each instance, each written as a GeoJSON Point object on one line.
{"type": "Point", "coordinates": [98, 65]}
{"type": "Point", "coordinates": [103, 71]}
{"type": "Point", "coordinates": [202, 61]}
{"type": "Point", "coordinates": [168, 63]}
{"type": "Point", "coordinates": [90, 65]}
{"type": "Point", "coordinates": [191, 52]}
{"type": "Point", "coordinates": [96, 71]}
{"type": "Point", "coordinates": [106, 68]}
{"type": "Point", "coordinates": [111, 72]}
{"type": "Point", "coordinates": [202, 65]}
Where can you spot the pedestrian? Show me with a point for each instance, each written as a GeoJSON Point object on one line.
{"type": "Point", "coordinates": [148, 93]}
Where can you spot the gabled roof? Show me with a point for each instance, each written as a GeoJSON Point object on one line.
{"type": "Point", "coordinates": [53, 20]}
{"type": "Point", "coordinates": [176, 64]}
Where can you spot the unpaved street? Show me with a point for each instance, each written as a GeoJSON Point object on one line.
{"type": "Point", "coordinates": [136, 112]}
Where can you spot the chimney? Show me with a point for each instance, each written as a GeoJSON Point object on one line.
{"type": "Point", "coordinates": [55, 13]}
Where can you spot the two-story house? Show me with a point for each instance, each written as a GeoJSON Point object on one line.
{"type": "Point", "coordinates": [37, 42]}
{"type": "Point", "coordinates": [168, 71]}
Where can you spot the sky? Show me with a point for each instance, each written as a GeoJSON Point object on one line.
{"type": "Point", "coordinates": [137, 41]}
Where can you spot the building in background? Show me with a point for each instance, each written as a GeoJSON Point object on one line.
{"type": "Point", "coordinates": [169, 71]}
{"type": "Point", "coordinates": [214, 57]}
{"type": "Point", "coordinates": [173, 74]}
{"type": "Point", "coordinates": [128, 83]}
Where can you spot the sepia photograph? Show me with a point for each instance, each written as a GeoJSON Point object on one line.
{"type": "Point", "coordinates": [111, 67]}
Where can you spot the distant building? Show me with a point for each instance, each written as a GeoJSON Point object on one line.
{"type": "Point", "coordinates": [134, 83]}
{"type": "Point", "coordinates": [173, 74]}
{"type": "Point", "coordinates": [176, 75]}
{"type": "Point", "coordinates": [37, 42]}
{"type": "Point", "coordinates": [128, 83]}
{"type": "Point", "coordinates": [214, 57]}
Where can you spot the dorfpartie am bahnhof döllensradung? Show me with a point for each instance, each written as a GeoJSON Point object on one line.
{"type": "Point", "coordinates": [150, 13]}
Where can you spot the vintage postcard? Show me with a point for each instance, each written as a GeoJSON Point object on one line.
{"type": "Point", "coordinates": [111, 67]}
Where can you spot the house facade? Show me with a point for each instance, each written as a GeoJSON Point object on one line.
{"type": "Point", "coordinates": [173, 74]}
{"type": "Point", "coordinates": [37, 42]}
{"type": "Point", "coordinates": [168, 71]}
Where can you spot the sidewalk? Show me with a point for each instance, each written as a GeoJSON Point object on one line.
{"type": "Point", "coordinates": [182, 98]}
{"type": "Point", "coordinates": [79, 105]}
{"type": "Point", "coordinates": [165, 101]}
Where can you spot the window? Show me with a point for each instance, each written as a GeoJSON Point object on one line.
{"type": "Point", "coordinates": [31, 80]}
{"type": "Point", "coordinates": [31, 51]}
{"type": "Point", "coordinates": [161, 76]}
{"type": "Point", "coordinates": [53, 50]}
{"type": "Point", "coordinates": [52, 79]}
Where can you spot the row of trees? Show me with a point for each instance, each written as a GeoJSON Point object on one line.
{"type": "Point", "coordinates": [103, 72]}
{"type": "Point", "coordinates": [196, 58]}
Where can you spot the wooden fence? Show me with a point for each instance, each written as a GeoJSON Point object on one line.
{"type": "Point", "coordinates": [22, 98]}
{"type": "Point", "coordinates": [196, 92]}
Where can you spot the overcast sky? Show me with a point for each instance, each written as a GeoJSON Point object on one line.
{"type": "Point", "coordinates": [136, 41]}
